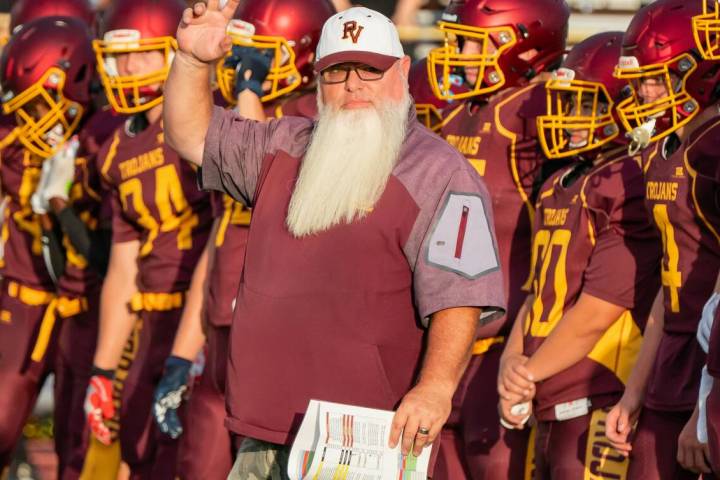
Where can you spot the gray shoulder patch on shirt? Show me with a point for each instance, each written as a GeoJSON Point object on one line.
{"type": "Point", "coordinates": [461, 240]}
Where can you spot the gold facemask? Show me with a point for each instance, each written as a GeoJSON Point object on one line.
{"type": "Point", "coordinates": [429, 115]}
{"type": "Point", "coordinates": [283, 77]}
{"type": "Point", "coordinates": [634, 112]}
{"type": "Point", "coordinates": [706, 30]}
{"type": "Point", "coordinates": [574, 105]}
{"type": "Point", "coordinates": [132, 93]}
{"type": "Point", "coordinates": [445, 59]}
{"type": "Point", "coordinates": [59, 119]}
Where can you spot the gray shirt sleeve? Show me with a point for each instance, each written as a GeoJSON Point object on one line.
{"type": "Point", "coordinates": [237, 148]}
{"type": "Point", "coordinates": [457, 262]}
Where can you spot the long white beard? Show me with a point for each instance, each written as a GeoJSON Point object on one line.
{"type": "Point", "coordinates": [347, 165]}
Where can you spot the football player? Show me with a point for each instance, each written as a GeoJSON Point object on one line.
{"type": "Point", "coordinates": [81, 240]}
{"type": "Point", "coordinates": [160, 225]}
{"type": "Point", "coordinates": [498, 50]}
{"type": "Point", "coordinates": [705, 28]}
{"type": "Point", "coordinates": [25, 10]}
{"type": "Point", "coordinates": [674, 90]}
{"type": "Point", "coordinates": [269, 55]}
{"type": "Point", "coordinates": [428, 107]}
{"type": "Point", "coordinates": [594, 274]}
{"type": "Point", "coordinates": [47, 70]}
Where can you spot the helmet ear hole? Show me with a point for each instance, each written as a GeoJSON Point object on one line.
{"type": "Point", "coordinates": [80, 75]}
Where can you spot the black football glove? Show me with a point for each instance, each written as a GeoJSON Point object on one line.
{"type": "Point", "coordinates": [169, 395]}
{"type": "Point", "coordinates": [244, 59]}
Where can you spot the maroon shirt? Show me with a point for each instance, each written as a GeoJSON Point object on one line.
{"type": "Point", "coordinates": [229, 257]}
{"type": "Point", "coordinates": [592, 236]}
{"type": "Point", "coordinates": [155, 200]}
{"type": "Point", "coordinates": [21, 233]}
{"type": "Point", "coordinates": [86, 199]}
{"type": "Point", "coordinates": [499, 140]}
{"type": "Point", "coordinates": [681, 194]}
{"type": "Point", "coordinates": [232, 232]}
{"type": "Point", "coordinates": [338, 315]}
{"type": "Point", "coordinates": [707, 196]}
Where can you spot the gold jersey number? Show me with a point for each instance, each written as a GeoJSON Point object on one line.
{"type": "Point", "coordinates": [670, 275]}
{"type": "Point", "coordinates": [545, 245]}
{"type": "Point", "coordinates": [169, 199]}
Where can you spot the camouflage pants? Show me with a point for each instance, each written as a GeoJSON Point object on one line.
{"type": "Point", "coordinates": [258, 460]}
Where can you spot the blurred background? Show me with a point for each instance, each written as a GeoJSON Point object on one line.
{"type": "Point", "coordinates": [416, 19]}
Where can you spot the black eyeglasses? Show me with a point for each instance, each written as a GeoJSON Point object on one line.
{"type": "Point", "coordinates": [340, 73]}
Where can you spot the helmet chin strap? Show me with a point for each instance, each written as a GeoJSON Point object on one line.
{"type": "Point", "coordinates": [640, 136]}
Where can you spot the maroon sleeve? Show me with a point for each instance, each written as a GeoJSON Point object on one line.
{"type": "Point", "coordinates": [457, 264]}
{"type": "Point", "coordinates": [626, 255]}
{"type": "Point", "coordinates": [235, 149]}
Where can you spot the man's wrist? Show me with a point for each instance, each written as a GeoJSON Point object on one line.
{"type": "Point", "coordinates": [190, 60]}
{"type": "Point", "coordinates": [442, 386]}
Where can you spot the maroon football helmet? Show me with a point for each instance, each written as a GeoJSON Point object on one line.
{"type": "Point", "coordinates": [290, 29]}
{"type": "Point", "coordinates": [427, 106]}
{"type": "Point", "coordinates": [659, 48]}
{"type": "Point", "coordinates": [515, 42]}
{"type": "Point", "coordinates": [581, 98]}
{"type": "Point", "coordinates": [137, 26]}
{"type": "Point", "coordinates": [47, 71]}
{"type": "Point", "coordinates": [25, 10]}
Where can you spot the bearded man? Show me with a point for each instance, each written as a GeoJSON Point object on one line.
{"type": "Point", "coordinates": [371, 263]}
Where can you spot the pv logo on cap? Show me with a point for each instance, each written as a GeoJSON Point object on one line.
{"type": "Point", "coordinates": [352, 29]}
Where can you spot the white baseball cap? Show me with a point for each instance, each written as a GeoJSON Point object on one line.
{"type": "Point", "coordinates": [360, 35]}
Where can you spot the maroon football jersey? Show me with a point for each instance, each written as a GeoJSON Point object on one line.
{"type": "Point", "coordinates": [681, 193]}
{"type": "Point", "coordinates": [592, 235]}
{"type": "Point", "coordinates": [86, 200]}
{"type": "Point", "coordinates": [21, 237]}
{"type": "Point", "coordinates": [499, 139]}
{"type": "Point", "coordinates": [232, 231]}
{"type": "Point", "coordinates": [155, 199]}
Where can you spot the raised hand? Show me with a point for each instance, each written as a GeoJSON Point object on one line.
{"type": "Point", "coordinates": [202, 31]}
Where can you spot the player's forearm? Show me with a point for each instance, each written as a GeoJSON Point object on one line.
{"type": "Point", "coordinates": [116, 320]}
{"type": "Point", "coordinates": [250, 106]}
{"type": "Point", "coordinates": [190, 338]}
{"type": "Point", "coordinates": [449, 347]}
{"type": "Point", "coordinates": [574, 337]}
{"type": "Point", "coordinates": [514, 342]}
{"type": "Point", "coordinates": [637, 382]}
{"type": "Point", "coordinates": [188, 107]}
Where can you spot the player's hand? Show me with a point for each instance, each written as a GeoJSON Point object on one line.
{"type": "Point", "coordinates": [515, 383]}
{"type": "Point", "coordinates": [62, 171]}
{"type": "Point", "coordinates": [169, 395]}
{"type": "Point", "coordinates": [421, 415]}
{"type": "Point", "coordinates": [252, 66]}
{"type": "Point", "coordinates": [621, 420]}
{"type": "Point", "coordinates": [514, 415]}
{"type": "Point", "coordinates": [99, 406]}
{"type": "Point", "coordinates": [202, 31]}
{"type": "Point", "coordinates": [692, 454]}
{"type": "Point", "coordinates": [38, 202]}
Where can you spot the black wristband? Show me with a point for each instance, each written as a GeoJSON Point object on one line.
{"type": "Point", "coordinates": [102, 372]}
